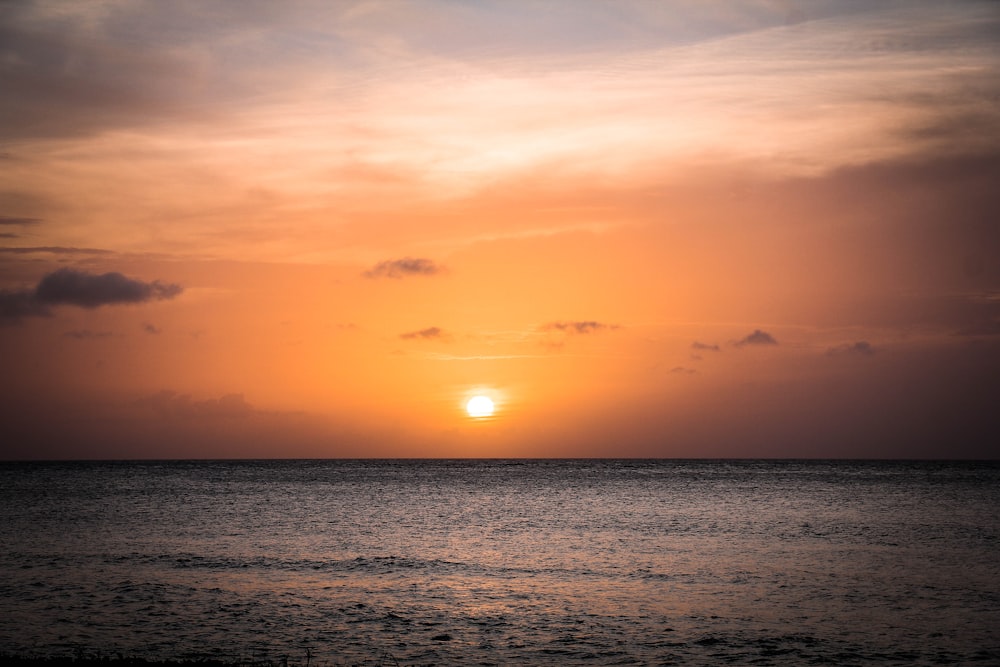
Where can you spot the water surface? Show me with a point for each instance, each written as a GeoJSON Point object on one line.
{"type": "Point", "coordinates": [504, 562]}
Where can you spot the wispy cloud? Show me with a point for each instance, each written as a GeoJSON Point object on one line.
{"type": "Point", "coordinates": [55, 250]}
{"type": "Point", "coordinates": [172, 405]}
{"type": "Point", "coordinates": [437, 356]}
{"type": "Point", "coordinates": [580, 327]}
{"type": "Point", "coordinates": [8, 220]}
{"type": "Point", "coordinates": [493, 92]}
{"type": "Point", "coordinates": [401, 268]}
{"type": "Point", "coordinates": [860, 348]}
{"type": "Point", "coordinates": [557, 334]}
{"type": "Point", "coordinates": [87, 334]}
{"type": "Point", "coordinates": [697, 345]}
{"type": "Point", "coordinates": [430, 333]}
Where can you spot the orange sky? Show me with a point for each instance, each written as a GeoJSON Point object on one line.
{"type": "Point", "coordinates": [667, 229]}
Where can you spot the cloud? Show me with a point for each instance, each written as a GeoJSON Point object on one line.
{"type": "Point", "coordinates": [428, 333]}
{"type": "Point", "coordinates": [87, 334]}
{"type": "Point", "coordinates": [697, 345]}
{"type": "Point", "coordinates": [151, 328]}
{"type": "Point", "coordinates": [8, 220]}
{"type": "Point", "coordinates": [986, 328]}
{"type": "Point", "coordinates": [56, 250]}
{"type": "Point", "coordinates": [407, 266]}
{"type": "Point", "coordinates": [681, 370]}
{"type": "Point", "coordinates": [860, 348]}
{"type": "Point", "coordinates": [171, 405]}
{"type": "Point", "coordinates": [582, 327]}
{"type": "Point", "coordinates": [557, 334]}
{"type": "Point", "coordinates": [88, 290]}
{"type": "Point", "coordinates": [83, 289]}
{"type": "Point", "coordinates": [66, 72]}
{"type": "Point", "coordinates": [17, 304]}
{"type": "Point", "coordinates": [758, 337]}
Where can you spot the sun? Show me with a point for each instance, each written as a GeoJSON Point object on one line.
{"type": "Point", "coordinates": [479, 406]}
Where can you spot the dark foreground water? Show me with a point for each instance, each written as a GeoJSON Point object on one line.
{"type": "Point", "coordinates": [504, 562]}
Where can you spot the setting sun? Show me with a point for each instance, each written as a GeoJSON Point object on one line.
{"type": "Point", "coordinates": [479, 406]}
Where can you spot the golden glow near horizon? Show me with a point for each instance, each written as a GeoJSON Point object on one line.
{"type": "Point", "coordinates": [650, 229]}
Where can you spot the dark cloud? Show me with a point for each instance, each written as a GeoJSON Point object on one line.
{"type": "Point", "coordinates": [428, 333]}
{"type": "Point", "coordinates": [8, 220]}
{"type": "Point", "coordinates": [80, 288]}
{"type": "Point", "coordinates": [151, 328]}
{"type": "Point", "coordinates": [697, 345]}
{"type": "Point", "coordinates": [407, 266]}
{"type": "Point", "coordinates": [758, 337]}
{"type": "Point", "coordinates": [15, 305]}
{"type": "Point", "coordinates": [88, 290]}
{"type": "Point", "coordinates": [582, 327]}
{"type": "Point", "coordinates": [860, 348]}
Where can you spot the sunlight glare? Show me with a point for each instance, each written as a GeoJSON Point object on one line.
{"type": "Point", "coordinates": [479, 406]}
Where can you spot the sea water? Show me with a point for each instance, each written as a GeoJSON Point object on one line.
{"type": "Point", "coordinates": [578, 562]}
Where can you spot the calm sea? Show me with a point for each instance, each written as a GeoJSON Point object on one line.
{"type": "Point", "coordinates": [504, 562]}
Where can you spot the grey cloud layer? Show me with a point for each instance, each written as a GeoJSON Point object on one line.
{"type": "Point", "coordinates": [71, 69]}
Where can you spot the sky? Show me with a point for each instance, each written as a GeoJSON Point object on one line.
{"type": "Point", "coordinates": [642, 229]}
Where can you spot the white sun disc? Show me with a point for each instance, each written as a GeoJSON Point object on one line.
{"type": "Point", "coordinates": [479, 406]}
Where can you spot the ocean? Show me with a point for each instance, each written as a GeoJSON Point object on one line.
{"type": "Point", "coordinates": [504, 562]}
